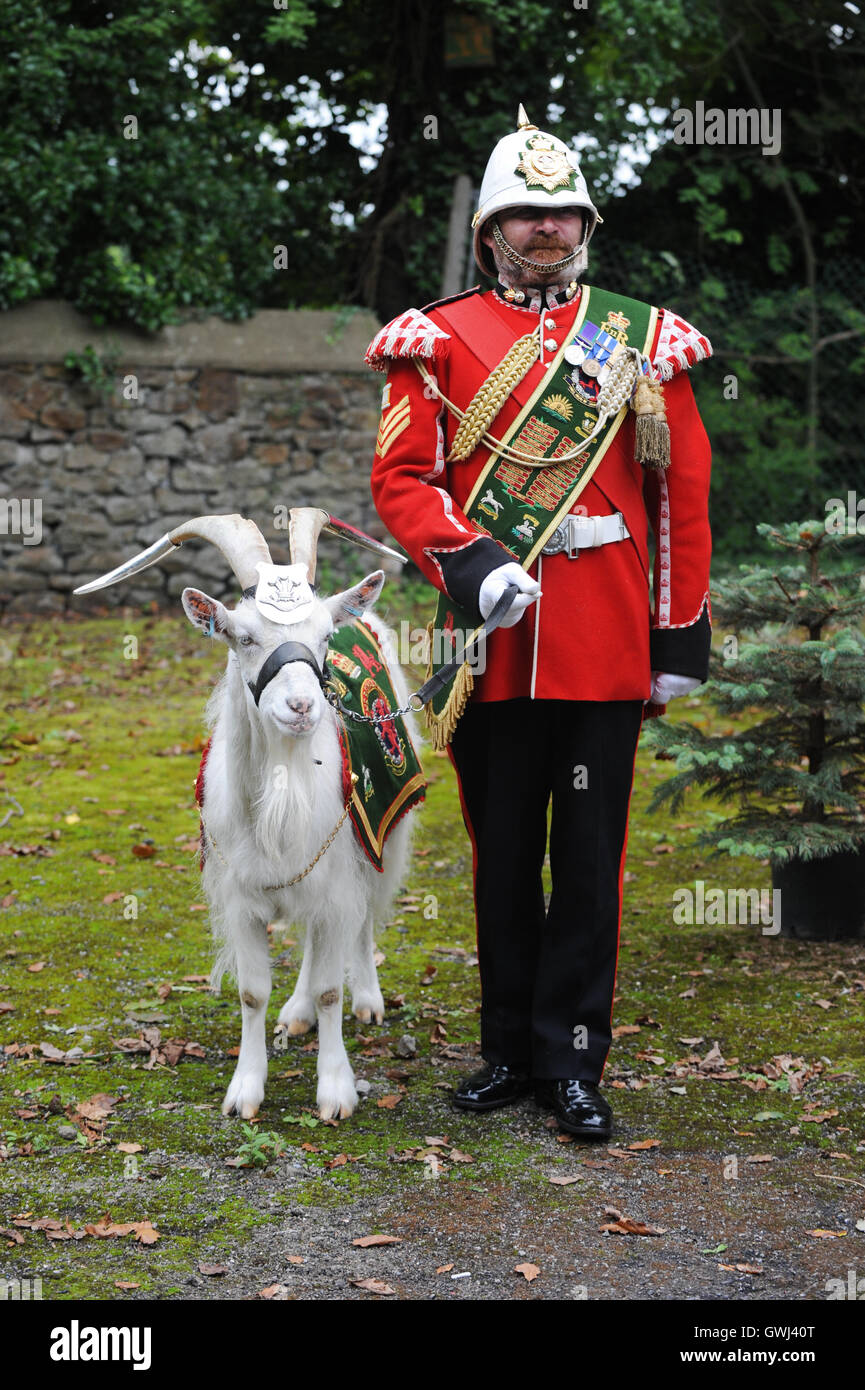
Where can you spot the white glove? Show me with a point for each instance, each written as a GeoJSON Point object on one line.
{"type": "Point", "coordinates": [667, 687]}
{"type": "Point", "coordinates": [494, 586]}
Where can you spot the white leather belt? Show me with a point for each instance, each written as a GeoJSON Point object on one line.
{"type": "Point", "coordinates": [578, 533]}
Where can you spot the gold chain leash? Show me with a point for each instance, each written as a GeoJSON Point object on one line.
{"type": "Point", "coordinates": [289, 883]}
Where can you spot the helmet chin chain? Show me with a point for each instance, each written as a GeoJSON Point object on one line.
{"type": "Point", "coordinates": [544, 267]}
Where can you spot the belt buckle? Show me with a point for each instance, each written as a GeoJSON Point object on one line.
{"type": "Point", "coordinates": [558, 541]}
{"type": "Point", "coordinates": [571, 544]}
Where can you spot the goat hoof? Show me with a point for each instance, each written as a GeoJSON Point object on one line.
{"type": "Point", "coordinates": [368, 1006]}
{"type": "Point", "coordinates": [337, 1097]}
{"type": "Point", "coordinates": [296, 1019]}
{"type": "Point", "coordinates": [364, 1015]}
{"type": "Point", "coordinates": [243, 1096]}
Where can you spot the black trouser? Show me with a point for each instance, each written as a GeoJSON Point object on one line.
{"type": "Point", "coordinates": [547, 977]}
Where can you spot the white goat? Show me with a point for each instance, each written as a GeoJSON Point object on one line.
{"type": "Point", "coordinates": [278, 842]}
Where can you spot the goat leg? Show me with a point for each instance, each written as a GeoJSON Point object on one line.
{"type": "Point", "coordinates": [366, 996]}
{"type": "Point", "coordinates": [252, 956]}
{"type": "Point", "coordinates": [297, 1014]}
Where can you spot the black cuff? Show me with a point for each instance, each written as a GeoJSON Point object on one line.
{"type": "Point", "coordinates": [683, 651]}
{"type": "Point", "coordinates": [465, 570]}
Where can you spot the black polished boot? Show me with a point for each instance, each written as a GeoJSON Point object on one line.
{"type": "Point", "coordinates": [492, 1087]}
{"type": "Point", "coordinates": [578, 1107]}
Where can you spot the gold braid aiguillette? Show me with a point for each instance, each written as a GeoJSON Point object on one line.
{"type": "Point", "coordinates": [492, 396]}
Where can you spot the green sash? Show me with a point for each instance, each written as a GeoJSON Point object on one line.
{"type": "Point", "coordinates": [520, 506]}
{"type": "Point", "coordinates": [390, 778]}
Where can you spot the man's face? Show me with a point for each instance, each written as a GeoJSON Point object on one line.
{"type": "Point", "coordinates": [541, 235]}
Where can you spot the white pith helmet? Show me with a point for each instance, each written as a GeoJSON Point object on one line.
{"type": "Point", "coordinates": [530, 168]}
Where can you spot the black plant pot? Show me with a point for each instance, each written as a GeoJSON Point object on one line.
{"type": "Point", "coordinates": [823, 899]}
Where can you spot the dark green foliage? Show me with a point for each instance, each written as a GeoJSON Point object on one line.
{"type": "Point", "coordinates": [797, 772]}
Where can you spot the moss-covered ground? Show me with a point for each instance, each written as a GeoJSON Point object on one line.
{"type": "Point", "coordinates": [759, 1141]}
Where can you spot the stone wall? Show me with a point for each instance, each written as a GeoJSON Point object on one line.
{"type": "Point", "coordinates": [210, 417]}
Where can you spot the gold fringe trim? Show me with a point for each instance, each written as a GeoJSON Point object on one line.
{"type": "Point", "coordinates": [441, 726]}
{"type": "Point", "coordinates": [492, 395]}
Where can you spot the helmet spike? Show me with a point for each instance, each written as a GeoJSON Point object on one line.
{"type": "Point", "coordinates": [523, 122]}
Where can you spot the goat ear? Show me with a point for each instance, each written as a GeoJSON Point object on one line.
{"type": "Point", "coordinates": [207, 614]}
{"type": "Point", "coordinates": [352, 602]}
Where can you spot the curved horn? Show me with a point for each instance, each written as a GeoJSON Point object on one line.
{"type": "Point", "coordinates": [304, 528]}
{"type": "Point", "coordinates": [239, 540]}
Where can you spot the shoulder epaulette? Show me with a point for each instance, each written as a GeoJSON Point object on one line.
{"type": "Point", "coordinates": [410, 334]}
{"type": "Point", "coordinates": [680, 345]}
{"type": "Point", "coordinates": [452, 298]}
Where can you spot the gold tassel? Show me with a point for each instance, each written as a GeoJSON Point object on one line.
{"type": "Point", "coordinates": [652, 433]}
{"type": "Point", "coordinates": [441, 726]}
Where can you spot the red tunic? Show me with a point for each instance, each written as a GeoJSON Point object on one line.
{"type": "Point", "coordinates": [594, 634]}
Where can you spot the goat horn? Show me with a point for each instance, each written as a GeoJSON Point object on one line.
{"type": "Point", "coordinates": [239, 540]}
{"type": "Point", "coordinates": [304, 528]}
{"type": "Point", "coordinates": [306, 524]}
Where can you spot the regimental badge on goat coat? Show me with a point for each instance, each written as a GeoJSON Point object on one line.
{"type": "Point", "coordinates": [603, 623]}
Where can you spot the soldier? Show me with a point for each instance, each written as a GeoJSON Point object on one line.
{"type": "Point", "coordinates": [502, 409]}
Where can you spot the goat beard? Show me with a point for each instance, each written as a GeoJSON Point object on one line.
{"type": "Point", "coordinates": [284, 829]}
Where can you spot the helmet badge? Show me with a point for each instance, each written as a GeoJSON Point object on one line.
{"type": "Point", "coordinates": [544, 166]}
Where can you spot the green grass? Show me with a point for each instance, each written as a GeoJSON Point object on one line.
{"type": "Point", "coordinates": [100, 753]}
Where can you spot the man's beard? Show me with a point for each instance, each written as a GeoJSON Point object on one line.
{"type": "Point", "coordinates": [520, 277]}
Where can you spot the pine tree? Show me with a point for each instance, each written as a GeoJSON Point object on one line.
{"type": "Point", "coordinates": [798, 772]}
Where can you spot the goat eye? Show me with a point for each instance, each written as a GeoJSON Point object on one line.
{"type": "Point", "coordinates": [246, 640]}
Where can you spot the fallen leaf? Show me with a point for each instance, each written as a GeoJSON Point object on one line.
{"type": "Point", "coordinates": [130, 1148]}
{"type": "Point", "coordinates": [743, 1268]}
{"type": "Point", "coordinates": [561, 1181]}
{"type": "Point", "coordinates": [388, 1102]}
{"type": "Point", "coordinates": [625, 1029]}
{"type": "Point", "coordinates": [372, 1286]}
{"type": "Point", "coordinates": [296, 1259]}
{"type": "Point", "coordinates": [528, 1271]}
{"type": "Point", "coordinates": [98, 1107]}
{"type": "Point", "coordinates": [366, 1241]}
{"type": "Point", "coordinates": [125, 1284]}
{"type": "Point", "coordinates": [212, 1270]}
{"type": "Point", "coordinates": [760, 1158]}
{"type": "Point", "coordinates": [646, 1144]}
{"type": "Point", "coordinates": [36, 967]}
{"type": "Point", "coordinates": [627, 1227]}
{"type": "Point", "coordinates": [442, 1269]}
{"type": "Point", "coordinates": [826, 1234]}
{"type": "Point", "coordinates": [144, 851]}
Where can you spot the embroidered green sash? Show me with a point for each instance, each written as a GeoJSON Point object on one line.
{"type": "Point", "coordinates": [390, 778]}
{"type": "Point", "coordinates": [520, 506]}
